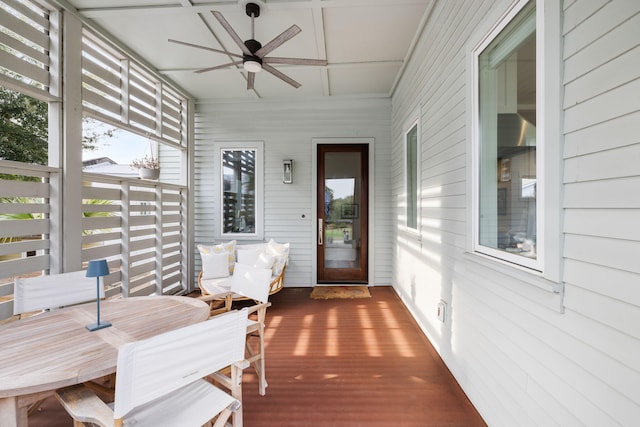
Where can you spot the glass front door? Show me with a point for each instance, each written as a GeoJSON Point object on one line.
{"type": "Point", "coordinates": [342, 213]}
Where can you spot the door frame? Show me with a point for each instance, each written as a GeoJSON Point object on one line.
{"type": "Point", "coordinates": [314, 200]}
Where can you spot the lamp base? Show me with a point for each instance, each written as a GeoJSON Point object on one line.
{"type": "Point", "coordinates": [95, 326]}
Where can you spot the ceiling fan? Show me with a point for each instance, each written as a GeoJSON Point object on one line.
{"type": "Point", "coordinates": [254, 56]}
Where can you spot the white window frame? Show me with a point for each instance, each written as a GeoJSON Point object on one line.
{"type": "Point", "coordinates": [549, 145]}
{"type": "Point", "coordinates": [258, 146]}
{"type": "Point", "coordinates": [409, 125]}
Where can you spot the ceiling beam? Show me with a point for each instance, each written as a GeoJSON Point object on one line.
{"type": "Point", "coordinates": [188, 8]}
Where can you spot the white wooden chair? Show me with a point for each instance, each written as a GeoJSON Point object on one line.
{"type": "Point", "coordinates": [53, 291]}
{"type": "Point", "coordinates": [160, 380]}
{"type": "Point", "coordinates": [49, 292]}
{"type": "Point", "coordinates": [254, 284]}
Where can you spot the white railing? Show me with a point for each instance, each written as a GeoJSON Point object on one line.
{"type": "Point", "coordinates": [139, 226]}
{"type": "Point", "coordinates": [24, 225]}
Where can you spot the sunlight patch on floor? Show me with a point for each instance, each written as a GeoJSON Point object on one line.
{"type": "Point", "coordinates": [302, 344]}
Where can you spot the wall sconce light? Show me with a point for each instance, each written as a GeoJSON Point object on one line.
{"type": "Point", "coordinates": [287, 171]}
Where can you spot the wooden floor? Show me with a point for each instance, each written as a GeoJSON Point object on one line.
{"type": "Point", "coordinates": [358, 362]}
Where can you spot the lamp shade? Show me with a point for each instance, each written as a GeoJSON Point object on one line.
{"type": "Point", "coordinates": [98, 268]}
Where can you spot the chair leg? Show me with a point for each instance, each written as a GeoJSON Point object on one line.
{"type": "Point", "coordinates": [222, 418]}
{"type": "Point", "coordinates": [262, 374]}
{"type": "Point", "coordinates": [258, 363]}
{"type": "Point", "coordinates": [236, 392]}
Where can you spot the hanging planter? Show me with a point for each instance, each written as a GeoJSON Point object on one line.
{"type": "Point", "coordinates": [147, 173]}
{"type": "Point", "coordinates": [148, 166]}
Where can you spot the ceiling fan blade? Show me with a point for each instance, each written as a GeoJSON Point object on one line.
{"type": "Point", "coordinates": [205, 48]}
{"type": "Point", "coordinates": [250, 80]}
{"type": "Point", "coordinates": [295, 61]}
{"type": "Point", "coordinates": [236, 38]}
{"type": "Point", "coordinates": [280, 75]}
{"type": "Point", "coordinates": [293, 31]}
{"type": "Point", "coordinates": [217, 67]}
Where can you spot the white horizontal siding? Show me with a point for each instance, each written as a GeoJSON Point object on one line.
{"type": "Point", "coordinates": [287, 128]}
{"type": "Point", "coordinates": [525, 355]}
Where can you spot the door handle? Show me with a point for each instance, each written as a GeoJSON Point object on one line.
{"type": "Point", "coordinates": [320, 231]}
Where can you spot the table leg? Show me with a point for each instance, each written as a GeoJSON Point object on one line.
{"type": "Point", "coordinates": [11, 415]}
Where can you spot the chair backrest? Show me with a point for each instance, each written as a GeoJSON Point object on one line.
{"type": "Point", "coordinates": [154, 367]}
{"type": "Point", "coordinates": [251, 282]}
{"type": "Point", "coordinates": [53, 291]}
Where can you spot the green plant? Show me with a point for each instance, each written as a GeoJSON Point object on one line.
{"type": "Point", "coordinates": [147, 162]}
{"type": "Point", "coordinates": [18, 216]}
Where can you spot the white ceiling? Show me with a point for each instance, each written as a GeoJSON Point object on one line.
{"type": "Point", "coordinates": [364, 41]}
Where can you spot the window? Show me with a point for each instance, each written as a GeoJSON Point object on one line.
{"type": "Point", "coordinates": [411, 179]}
{"type": "Point", "coordinates": [241, 178]}
{"type": "Point", "coordinates": [507, 215]}
{"type": "Point", "coordinates": [144, 117]}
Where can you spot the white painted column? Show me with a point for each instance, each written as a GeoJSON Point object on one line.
{"type": "Point", "coordinates": [72, 145]}
{"type": "Point", "coordinates": [56, 143]}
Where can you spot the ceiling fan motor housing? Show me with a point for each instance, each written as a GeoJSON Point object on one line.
{"type": "Point", "coordinates": [252, 9]}
{"type": "Point", "coordinates": [253, 46]}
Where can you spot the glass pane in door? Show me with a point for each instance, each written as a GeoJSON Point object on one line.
{"type": "Point", "coordinates": [342, 229]}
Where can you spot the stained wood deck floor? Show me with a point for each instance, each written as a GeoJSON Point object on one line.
{"type": "Point", "coordinates": [335, 363]}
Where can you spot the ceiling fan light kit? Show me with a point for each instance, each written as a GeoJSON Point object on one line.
{"type": "Point", "coordinates": [252, 66]}
{"type": "Point", "coordinates": [253, 56]}
{"type": "Point", "coordinates": [252, 63]}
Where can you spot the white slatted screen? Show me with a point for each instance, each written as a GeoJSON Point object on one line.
{"type": "Point", "coordinates": [117, 90]}
{"type": "Point", "coordinates": [25, 46]}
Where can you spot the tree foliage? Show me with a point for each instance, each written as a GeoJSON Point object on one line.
{"type": "Point", "coordinates": [23, 128]}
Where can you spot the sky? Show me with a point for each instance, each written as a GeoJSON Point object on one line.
{"type": "Point", "coordinates": [121, 148]}
{"type": "Point", "coordinates": [342, 187]}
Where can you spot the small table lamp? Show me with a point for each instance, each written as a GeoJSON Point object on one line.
{"type": "Point", "coordinates": [98, 268]}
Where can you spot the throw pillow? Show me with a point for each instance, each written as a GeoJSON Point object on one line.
{"type": "Point", "coordinates": [264, 260]}
{"type": "Point", "coordinates": [248, 256]}
{"type": "Point", "coordinates": [258, 258]}
{"type": "Point", "coordinates": [280, 252]}
{"type": "Point", "coordinates": [215, 265]}
{"type": "Point", "coordinates": [228, 248]}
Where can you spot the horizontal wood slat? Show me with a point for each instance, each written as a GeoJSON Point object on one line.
{"type": "Point", "coordinates": [31, 10]}
{"type": "Point", "coordinates": [172, 134]}
{"type": "Point", "coordinates": [18, 267]}
{"type": "Point", "coordinates": [99, 85]}
{"type": "Point", "coordinates": [142, 122]}
{"type": "Point", "coordinates": [99, 252]}
{"type": "Point", "coordinates": [100, 193]}
{"type": "Point", "coordinates": [18, 26]}
{"type": "Point", "coordinates": [97, 102]}
{"type": "Point", "coordinates": [143, 99]}
{"type": "Point", "coordinates": [27, 50]}
{"type": "Point", "coordinates": [100, 70]}
{"type": "Point", "coordinates": [30, 189]}
{"type": "Point", "coordinates": [18, 208]}
{"type": "Point", "coordinates": [23, 228]}
{"type": "Point", "coordinates": [24, 68]}
{"type": "Point", "coordinates": [24, 246]}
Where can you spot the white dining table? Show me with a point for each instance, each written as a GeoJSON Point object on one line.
{"type": "Point", "coordinates": [51, 350]}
